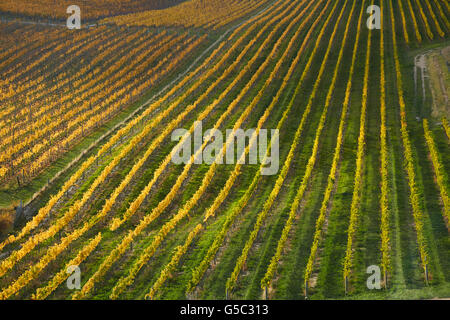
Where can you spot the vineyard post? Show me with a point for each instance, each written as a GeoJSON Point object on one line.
{"type": "Point", "coordinates": [226, 294]}
{"type": "Point", "coordinates": [415, 80]}
{"type": "Point", "coordinates": [426, 274]}
{"type": "Point", "coordinates": [385, 279]}
{"type": "Point", "coordinates": [266, 293]}
{"type": "Point", "coordinates": [422, 72]}
{"type": "Point", "coordinates": [306, 289]}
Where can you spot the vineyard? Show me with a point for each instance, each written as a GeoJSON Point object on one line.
{"type": "Point", "coordinates": [87, 177]}
{"type": "Point", "coordinates": [210, 14]}
{"type": "Point", "coordinates": [92, 9]}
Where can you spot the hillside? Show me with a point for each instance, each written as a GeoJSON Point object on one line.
{"type": "Point", "coordinates": [87, 119]}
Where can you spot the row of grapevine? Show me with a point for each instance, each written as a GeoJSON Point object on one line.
{"type": "Point", "coordinates": [384, 162]}
{"type": "Point", "coordinates": [4, 170]}
{"type": "Point", "coordinates": [171, 224]}
{"type": "Point", "coordinates": [446, 127]}
{"type": "Point", "coordinates": [43, 212]}
{"type": "Point", "coordinates": [16, 59]}
{"type": "Point", "coordinates": [170, 267]}
{"type": "Point", "coordinates": [413, 17]}
{"type": "Point", "coordinates": [104, 116]}
{"type": "Point", "coordinates": [334, 166]}
{"type": "Point", "coordinates": [198, 272]}
{"type": "Point", "coordinates": [149, 218]}
{"type": "Point", "coordinates": [90, 9]}
{"type": "Point", "coordinates": [282, 175]}
{"type": "Point", "coordinates": [357, 185]}
{"type": "Point", "coordinates": [37, 268]}
{"type": "Point", "coordinates": [9, 262]}
{"type": "Point", "coordinates": [75, 208]}
{"type": "Point", "coordinates": [425, 20]}
{"type": "Point", "coordinates": [402, 13]}
{"type": "Point", "coordinates": [237, 170]}
{"type": "Point", "coordinates": [78, 41]}
{"type": "Point", "coordinates": [117, 222]}
{"type": "Point", "coordinates": [138, 201]}
{"type": "Point", "coordinates": [408, 156]}
{"type": "Point", "coordinates": [204, 220]}
{"type": "Point", "coordinates": [91, 123]}
{"type": "Point", "coordinates": [83, 116]}
{"type": "Point", "coordinates": [193, 13]}
{"type": "Point", "coordinates": [439, 169]}
{"type": "Point", "coordinates": [447, 5]}
{"type": "Point", "coordinates": [210, 212]}
{"type": "Point", "coordinates": [57, 226]}
{"type": "Point", "coordinates": [22, 78]}
{"type": "Point", "coordinates": [434, 18]}
{"type": "Point", "coordinates": [34, 87]}
{"type": "Point", "coordinates": [271, 269]}
{"type": "Point", "coordinates": [441, 13]}
{"type": "Point", "coordinates": [129, 38]}
{"type": "Point", "coordinates": [8, 35]}
{"type": "Point", "coordinates": [124, 244]}
{"type": "Point", "coordinates": [34, 84]}
{"type": "Point", "coordinates": [226, 19]}
{"type": "Point", "coordinates": [42, 125]}
{"type": "Point", "coordinates": [18, 69]}
{"type": "Point", "coordinates": [44, 292]}
{"type": "Point", "coordinates": [72, 136]}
